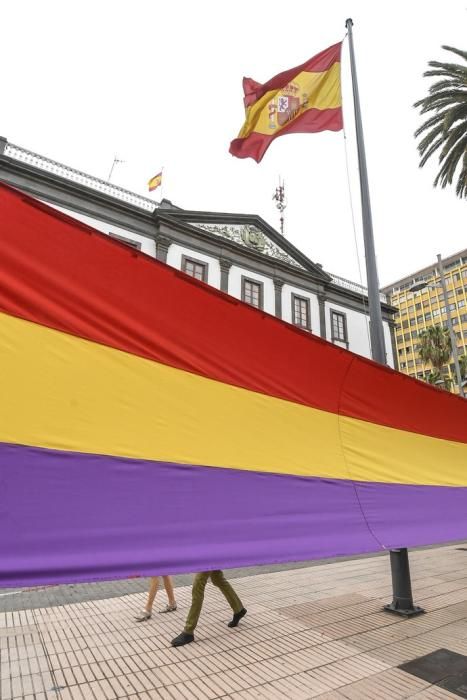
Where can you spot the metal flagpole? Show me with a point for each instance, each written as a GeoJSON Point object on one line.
{"type": "Point", "coordinates": [402, 603]}
{"type": "Point", "coordinates": [162, 184]}
{"type": "Point", "coordinates": [116, 160]}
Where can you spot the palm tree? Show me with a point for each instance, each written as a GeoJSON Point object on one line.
{"type": "Point", "coordinates": [433, 378]}
{"type": "Point", "coordinates": [446, 128]}
{"type": "Point", "coordinates": [435, 347]}
{"type": "Point", "coordinates": [463, 366]}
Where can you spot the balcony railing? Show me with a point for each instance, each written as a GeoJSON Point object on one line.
{"type": "Point", "coordinates": [354, 287]}
{"type": "Point", "coordinates": [51, 166]}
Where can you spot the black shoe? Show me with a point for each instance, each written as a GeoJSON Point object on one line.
{"type": "Point", "coordinates": [183, 638]}
{"type": "Point", "coordinates": [236, 618]}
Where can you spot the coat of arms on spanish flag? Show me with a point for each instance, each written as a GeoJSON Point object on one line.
{"type": "Point", "coordinates": [304, 99]}
{"type": "Point", "coordinates": [155, 182]}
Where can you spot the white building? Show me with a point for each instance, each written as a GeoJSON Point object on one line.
{"type": "Point", "coordinates": [237, 253]}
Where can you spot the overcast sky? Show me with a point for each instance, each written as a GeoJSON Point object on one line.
{"type": "Point", "coordinates": [159, 84]}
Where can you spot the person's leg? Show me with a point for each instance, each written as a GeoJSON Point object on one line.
{"type": "Point", "coordinates": [169, 589]}
{"type": "Point", "coordinates": [219, 580]}
{"type": "Point", "coordinates": [147, 612]}
{"type": "Point", "coordinates": [154, 585]}
{"type": "Point", "coordinates": [197, 598]}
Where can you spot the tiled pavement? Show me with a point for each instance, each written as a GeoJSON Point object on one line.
{"type": "Point", "coordinates": [316, 632]}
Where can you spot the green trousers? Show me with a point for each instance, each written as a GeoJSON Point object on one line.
{"type": "Point", "coordinates": [197, 596]}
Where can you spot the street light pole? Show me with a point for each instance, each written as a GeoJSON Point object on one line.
{"type": "Point", "coordinates": [402, 603]}
{"type": "Point", "coordinates": [452, 335]}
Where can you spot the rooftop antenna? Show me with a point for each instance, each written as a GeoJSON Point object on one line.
{"type": "Point", "coordinates": [116, 160]}
{"type": "Point", "coordinates": [279, 196]}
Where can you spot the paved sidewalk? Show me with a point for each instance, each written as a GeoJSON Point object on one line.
{"type": "Point", "coordinates": [13, 599]}
{"type": "Point", "coordinates": [310, 632]}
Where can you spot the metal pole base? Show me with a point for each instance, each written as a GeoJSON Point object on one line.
{"type": "Point", "coordinates": [414, 610]}
{"type": "Point", "coordinates": [402, 603]}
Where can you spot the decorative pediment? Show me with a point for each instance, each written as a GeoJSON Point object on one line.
{"type": "Point", "coordinates": [249, 236]}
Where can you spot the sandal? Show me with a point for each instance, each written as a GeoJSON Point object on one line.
{"type": "Point", "coordinates": [169, 608]}
{"type": "Point", "coordinates": [143, 616]}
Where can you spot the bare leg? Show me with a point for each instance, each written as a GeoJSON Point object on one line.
{"type": "Point", "coordinates": [152, 593]}
{"type": "Point", "coordinates": [169, 589]}
{"type": "Point", "coordinates": [147, 612]}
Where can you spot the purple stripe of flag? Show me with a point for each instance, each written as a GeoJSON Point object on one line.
{"type": "Point", "coordinates": [67, 517]}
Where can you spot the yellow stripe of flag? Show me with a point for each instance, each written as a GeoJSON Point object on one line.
{"type": "Point", "coordinates": [155, 181]}
{"type": "Point", "coordinates": [94, 399]}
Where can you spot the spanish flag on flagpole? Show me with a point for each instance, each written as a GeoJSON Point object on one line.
{"type": "Point", "coordinates": [155, 182]}
{"type": "Point", "coordinates": [304, 99]}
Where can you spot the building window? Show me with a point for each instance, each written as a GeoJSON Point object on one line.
{"type": "Point", "coordinates": [301, 312]}
{"type": "Point", "coordinates": [195, 268]}
{"type": "Point", "coordinates": [252, 292]}
{"type": "Point", "coordinates": [338, 327]}
{"type": "Point", "coordinates": [127, 241]}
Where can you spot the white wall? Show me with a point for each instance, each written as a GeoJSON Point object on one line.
{"type": "Point", "coordinates": [388, 344]}
{"type": "Point", "coordinates": [357, 323]}
{"type": "Point", "coordinates": [358, 332]}
{"type": "Point", "coordinates": [357, 328]}
{"type": "Point", "coordinates": [174, 258]}
{"type": "Point", "coordinates": [287, 291]}
{"type": "Point", "coordinates": [235, 286]}
{"type": "Point", "coordinates": [147, 244]}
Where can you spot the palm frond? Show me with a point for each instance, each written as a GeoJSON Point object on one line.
{"type": "Point", "coordinates": [458, 52]}
{"type": "Point", "coordinates": [435, 119]}
{"type": "Point", "coordinates": [446, 84]}
{"type": "Point", "coordinates": [429, 151]}
{"type": "Point", "coordinates": [453, 95]}
{"type": "Point", "coordinates": [455, 114]}
{"type": "Point", "coordinates": [437, 102]}
{"type": "Point", "coordinates": [454, 135]}
{"type": "Point", "coordinates": [446, 173]}
{"type": "Point", "coordinates": [461, 186]}
{"type": "Point", "coordinates": [446, 70]}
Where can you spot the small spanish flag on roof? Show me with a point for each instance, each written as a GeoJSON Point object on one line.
{"type": "Point", "coordinates": [155, 181]}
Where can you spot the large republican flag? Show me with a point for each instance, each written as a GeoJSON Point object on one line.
{"type": "Point", "coordinates": [150, 424]}
{"type": "Point", "coordinates": [304, 99]}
